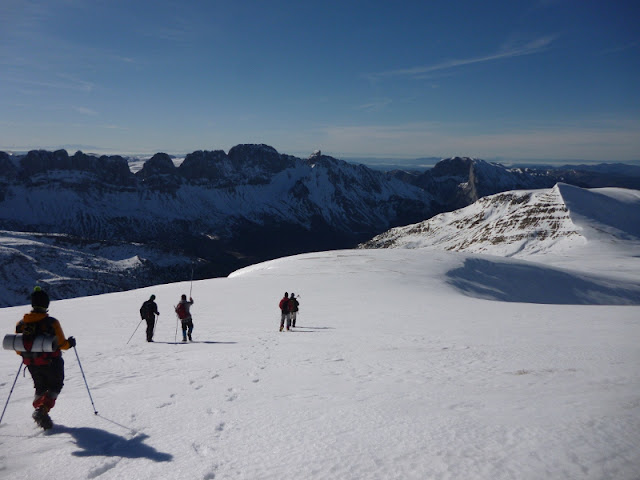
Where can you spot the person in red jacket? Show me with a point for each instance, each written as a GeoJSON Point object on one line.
{"type": "Point", "coordinates": [284, 312]}
{"type": "Point", "coordinates": [46, 367]}
{"type": "Point", "coordinates": [183, 310]}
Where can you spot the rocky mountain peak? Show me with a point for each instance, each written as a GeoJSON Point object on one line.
{"type": "Point", "coordinates": [505, 224]}
{"type": "Point", "coordinates": [159, 164]}
{"type": "Point", "coordinates": [260, 158]}
{"type": "Point", "coordinates": [7, 167]}
{"type": "Point", "coordinates": [204, 164]}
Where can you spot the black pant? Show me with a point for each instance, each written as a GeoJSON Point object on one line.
{"type": "Point", "coordinates": [150, 324]}
{"type": "Point", "coordinates": [187, 324]}
{"type": "Point", "coordinates": [48, 379]}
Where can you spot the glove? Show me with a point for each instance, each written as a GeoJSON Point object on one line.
{"type": "Point", "coordinates": [71, 341]}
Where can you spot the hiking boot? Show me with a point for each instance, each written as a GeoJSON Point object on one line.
{"type": "Point", "coordinates": [184, 339]}
{"type": "Point", "coordinates": [190, 339]}
{"type": "Point", "coordinates": [281, 328]}
{"type": "Point", "coordinates": [42, 418]}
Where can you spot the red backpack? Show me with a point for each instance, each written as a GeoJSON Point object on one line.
{"type": "Point", "coordinates": [181, 310]}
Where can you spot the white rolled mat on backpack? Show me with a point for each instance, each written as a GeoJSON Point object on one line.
{"type": "Point", "coordinates": [41, 343]}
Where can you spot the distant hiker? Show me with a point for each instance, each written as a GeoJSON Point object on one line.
{"type": "Point", "coordinates": [46, 367]}
{"type": "Point", "coordinates": [148, 312]}
{"type": "Point", "coordinates": [284, 311]}
{"type": "Point", "coordinates": [184, 314]}
{"type": "Point", "coordinates": [293, 308]}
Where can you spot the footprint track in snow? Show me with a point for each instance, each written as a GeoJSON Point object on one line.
{"type": "Point", "coordinates": [96, 472]}
{"type": "Point", "coordinates": [231, 395]}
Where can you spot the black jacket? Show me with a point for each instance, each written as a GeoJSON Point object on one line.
{"type": "Point", "coordinates": [148, 309]}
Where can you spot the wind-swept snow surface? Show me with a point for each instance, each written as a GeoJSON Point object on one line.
{"type": "Point", "coordinates": [397, 370]}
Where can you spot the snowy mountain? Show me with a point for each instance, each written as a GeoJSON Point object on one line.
{"type": "Point", "coordinates": [161, 219]}
{"type": "Point", "coordinates": [407, 363]}
{"type": "Point", "coordinates": [73, 267]}
{"type": "Point", "coordinates": [215, 210]}
{"type": "Point", "coordinates": [524, 222]}
{"type": "Point", "coordinates": [459, 181]}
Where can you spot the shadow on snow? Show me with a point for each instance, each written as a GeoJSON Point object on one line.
{"type": "Point", "coordinates": [100, 443]}
{"type": "Point", "coordinates": [530, 283]}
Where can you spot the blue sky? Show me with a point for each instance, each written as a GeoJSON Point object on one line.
{"type": "Point", "coordinates": [544, 79]}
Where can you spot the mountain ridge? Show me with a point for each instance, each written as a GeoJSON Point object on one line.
{"type": "Point", "coordinates": [211, 212]}
{"type": "Point", "coordinates": [525, 221]}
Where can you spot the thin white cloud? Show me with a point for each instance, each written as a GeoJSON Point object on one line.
{"type": "Point", "coordinates": [85, 111]}
{"type": "Point", "coordinates": [375, 105]}
{"type": "Point", "coordinates": [77, 83]}
{"type": "Point", "coordinates": [64, 82]}
{"type": "Point", "coordinates": [621, 48]}
{"type": "Point", "coordinates": [512, 51]}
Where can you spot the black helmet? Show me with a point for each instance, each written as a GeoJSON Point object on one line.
{"type": "Point", "coordinates": [184, 297]}
{"type": "Point", "coordinates": [39, 299]}
{"type": "Point", "coordinates": [152, 297]}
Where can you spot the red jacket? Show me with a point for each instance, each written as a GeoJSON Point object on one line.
{"type": "Point", "coordinates": [284, 305]}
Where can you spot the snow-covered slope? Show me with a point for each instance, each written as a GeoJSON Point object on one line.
{"type": "Point", "coordinates": [395, 371]}
{"type": "Point", "coordinates": [72, 267]}
{"type": "Point", "coordinates": [525, 223]}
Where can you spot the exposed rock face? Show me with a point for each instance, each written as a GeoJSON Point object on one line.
{"type": "Point", "coordinates": [459, 181]}
{"type": "Point", "coordinates": [106, 169]}
{"type": "Point", "coordinates": [504, 224]}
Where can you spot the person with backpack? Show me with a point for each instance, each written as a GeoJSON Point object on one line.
{"type": "Point", "coordinates": [293, 308]}
{"type": "Point", "coordinates": [46, 367]}
{"type": "Point", "coordinates": [284, 311]}
{"type": "Point", "coordinates": [183, 310]}
{"type": "Point", "coordinates": [148, 312]}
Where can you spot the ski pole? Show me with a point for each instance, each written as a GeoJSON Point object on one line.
{"type": "Point", "coordinates": [134, 332]}
{"type": "Point", "coordinates": [155, 323]}
{"type": "Point", "coordinates": [191, 286]}
{"type": "Point", "coordinates": [85, 381]}
{"type": "Point", "coordinates": [175, 337]}
{"type": "Point", "coordinates": [12, 387]}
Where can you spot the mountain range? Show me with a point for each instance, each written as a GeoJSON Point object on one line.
{"type": "Point", "coordinates": [405, 363]}
{"type": "Point", "coordinates": [84, 224]}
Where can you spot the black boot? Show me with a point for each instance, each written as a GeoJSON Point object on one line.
{"type": "Point", "coordinates": [42, 418]}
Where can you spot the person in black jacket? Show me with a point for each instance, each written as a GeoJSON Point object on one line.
{"type": "Point", "coordinates": [293, 308]}
{"type": "Point", "coordinates": [148, 311]}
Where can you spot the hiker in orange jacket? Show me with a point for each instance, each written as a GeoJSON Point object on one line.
{"type": "Point", "coordinates": [46, 367]}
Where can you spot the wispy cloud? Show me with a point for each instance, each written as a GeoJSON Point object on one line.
{"type": "Point", "coordinates": [511, 51]}
{"type": "Point", "coordinates": [85, 111]}
{"type": "Point", "coordinates": [62, 82]}
{"type": "Point", "coordinates": [76, 83]}
{"type": "Point", "coordinates": [376, 105]}
{"type": "Point", "coordinates": [621, 48]}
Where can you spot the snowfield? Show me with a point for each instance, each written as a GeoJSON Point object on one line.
{"type": "Point", "coordinates": [406, 364]}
